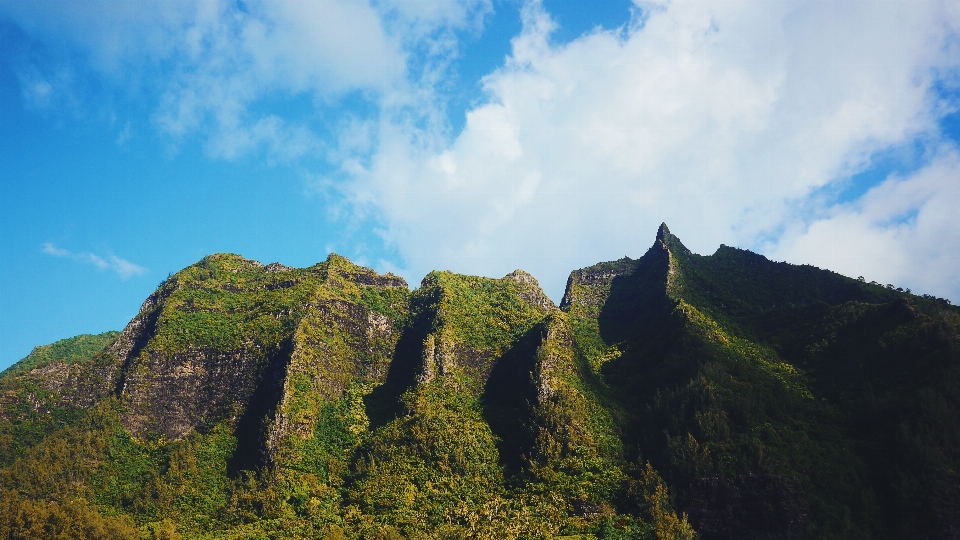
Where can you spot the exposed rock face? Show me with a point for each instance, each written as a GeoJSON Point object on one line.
{"type": "Point", "coordinates": [471, 321]}
{"type": "Point", "coordinates": [554, 359]}
{"type": "Point", "coordinates": [56, 385]}
{"type": "Point", "coordinates": [337, 343]}
{"type": "Point", "coordinates": [52, 386]}
{"type": "Point", "coordinates": [170, 395]}
{"type": "Point", "coordinates": [528, 288]}
{"type": "Point", "coordinates": [74, 385]}
{"type": "Point", "coordinates": [277, 267]}
{"type": "Point", "coordinates": [589, 287]}
{"type": "Point", "coordinates": [142, 327]}
{"type": "Point", "coordinates": [193, 357]}
{"type": "Point", "coordinates": [71, 373]}
{"type": "Point", "coordinates": [443, 356]}
{"type": "Point", "coordinates": [430, 362]}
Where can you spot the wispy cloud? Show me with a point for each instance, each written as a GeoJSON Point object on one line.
{"type": "Point", "coordinates": [122, 267]}
{"type": "Point", "coordinates": [210, 64]}
{"type": "Point", "coordinates": [125, 135]}
{"type": "Point", "coordinates": [51, 249]}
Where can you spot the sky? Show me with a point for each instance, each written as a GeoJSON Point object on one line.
{"type": "Point", "coordinates": [477, 136]}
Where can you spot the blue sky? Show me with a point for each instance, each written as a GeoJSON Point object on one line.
{"type": "Point", "coordinates": [478, 136]}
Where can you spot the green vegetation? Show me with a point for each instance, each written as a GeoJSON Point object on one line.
{"type": "Point", "coordinates": [48, 390]}
{"type": "Point", "coordinates": [67, 351]}
{"type": "Point", "coordinates": [743, 381]}
{"type": "Point", "coordinates": [674, 396]}
{"type": "Point", "coordinates": [486, 315]}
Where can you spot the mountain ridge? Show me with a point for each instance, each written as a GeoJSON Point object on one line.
{"type": "Point", "coordinates": [725, 394]}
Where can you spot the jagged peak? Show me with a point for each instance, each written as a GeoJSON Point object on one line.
{"type": "Point", "coordinates": [521, 276]}
{"type": "Point", "coordinates": [228, 262]}
{"type": "Point", "coordinates": [277, 267]}
{"type": "Point", "coordinates": [594, 278]}
{"type": "Point", "coordinates": [226, 256]}
{"type": "Point", "coordinates": [669, 241]}
{"type": "Point", "coordinates": [336, 258]}
{"type": "Point", "coordinates": [531, 291]}
{"type": "Point", "coordinates": [523, 283]}
{"type": "Point", "coordinates": [663, 232]}
{"type": "Point", "coordinates": [338, 266]}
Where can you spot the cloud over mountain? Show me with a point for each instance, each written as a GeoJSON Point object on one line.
{"type": "Point", "coordinates": [122, 267]}
{"type": "Point", "coordinates": [726, 118]}
{"type": "Point", "coordinates": [766, 124]}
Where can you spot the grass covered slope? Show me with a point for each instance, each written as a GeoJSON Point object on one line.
{"type": "Point", "coordinates": [217, 338]}
{"type": "Point", "coordinates": [50, 388]}
{"type": "Point", "coordinates": [66, 351]}
{"type": "Point", "coordinates": [749, 385]}
{"type": "Point", "coordinates": [201, 391]}
{"type": "Point", "coordinates": [489, 365]}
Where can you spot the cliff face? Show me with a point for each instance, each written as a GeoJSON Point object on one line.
{"type": "Point", "coordinates": [259, 347]}
{"type": "Point", "coordinates": [469, 322]}
{"type": "Point", "coordinates": [757, 399]}
{"type": "Point", "coordinates": [72, 372]}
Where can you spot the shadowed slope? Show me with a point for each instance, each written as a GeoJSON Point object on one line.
{"type": "Point", "coordinates": [724, 366]}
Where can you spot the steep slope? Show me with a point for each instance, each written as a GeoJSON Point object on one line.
{"type": "Point", "coordinates": [488, 373]}
{"type": "Point", "coordinates": [501, 432]}
{"type": "Point", "coordinates": [247, 400]}
{"type": "Point", "coordinates": [739, 377]}
{"type": "Point", "coordinates": [227, 364]}
{"type": "Point", "coordinates": [222, 331]}
{"type": "Point", "coordinates": [50, 388]}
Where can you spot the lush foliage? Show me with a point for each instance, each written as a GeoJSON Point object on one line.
{"type": "Point", "coordinates": [730, 394]}
{"type": "Point", "coordinates": [750, 383]}
{"type": "Point", "coordinates": [67, 351]}
{"type": "Point", "coordinates": [40, 393]}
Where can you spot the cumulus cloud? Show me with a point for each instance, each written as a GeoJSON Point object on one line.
{"type": "Point", "coordinates": [720, 118]}
{"type": "Point", "coordinates": [903, 231]}
{"type": "Point", "coordinates": [728, 119]}
{"type": "Point", "coordinates": [122, 267]}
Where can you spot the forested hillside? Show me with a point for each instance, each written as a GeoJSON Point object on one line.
{"type": "Point", "coordinates": [674, 396]}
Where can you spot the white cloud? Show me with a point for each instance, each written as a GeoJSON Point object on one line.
{"type": "Point", "coordinates": [51, 249]}
{"type": "Point", "coordinates": [229, 59]}
{"type": "Point", "coordinates": [723, 118]}
{"type": "Point", "coordinates": [714, 116]}
{"type": "Point", "coordinates": [122, 267]}
{"type": "Point", "coordinates": [903, 231]}
{"type": "Point", "coordinates": [212, 60]}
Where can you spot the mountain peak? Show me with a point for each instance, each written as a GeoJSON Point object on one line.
{"type": "Point", "coordinates": [669, 241]}
{"type": "Point", "coordinates": [663, 232]}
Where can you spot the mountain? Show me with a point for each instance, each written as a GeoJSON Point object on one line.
{"type": "Point", "coordinates": [672, 396]}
